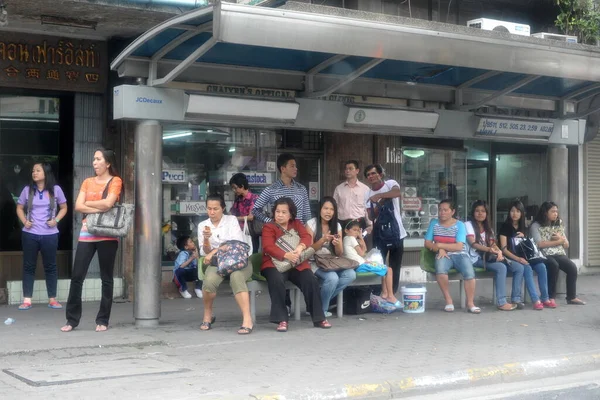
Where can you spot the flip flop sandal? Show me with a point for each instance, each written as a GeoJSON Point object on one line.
{"type": "Point", "coordinates": [245, 330]}
{"type": "Point", "coordinates": [101, 330]}
{"type": "Point", "coordinates": [25, 306]}
{"type": "Point", "coordinates": [208, 325]}
{"type": "Point", "coordinates": [55, 305]}
{"type": "Point", "coordinates": [449, 308]}
{"type": "Point", "coordinates": [474, 310]}
{"type": "Point", "coordinates": [576, 302]}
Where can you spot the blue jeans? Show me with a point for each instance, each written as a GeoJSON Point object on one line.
{"type": "Point", "coordinates": [500, 271]}
{"type": "Point", "coordinates": [32, 245]}
{"type": "Point", "coordinates": [461, 262]}
{"type": "Point", "coordinates": [540, 270]}
{"type": "Point", "coordinates": [333, 282]}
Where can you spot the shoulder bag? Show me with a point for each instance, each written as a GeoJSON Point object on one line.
{"type": "Point", "coordinates": [114, 222]}
{"type": "Point", "coordinates": [331, 262]}
{"type": "Point", "coordinates": [288, 243]}
{"type": "Point", "coordinates": [525, 247]}
{"type": "Point", "coordinates": [232, 256]}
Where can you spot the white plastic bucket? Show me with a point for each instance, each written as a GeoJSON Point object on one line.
{"type": "Point", "coordinates": [413, 298]}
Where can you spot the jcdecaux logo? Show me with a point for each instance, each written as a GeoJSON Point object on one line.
{"type": "Point", "coordinates": [148, 100]}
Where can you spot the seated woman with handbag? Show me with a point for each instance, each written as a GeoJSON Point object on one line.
{"type": "Point", "coordinates": [511, 235]}
{"type": "Point", "coordinates": [485, 253]}
{"type": "Point", "coordinates": [223, 239]}
{"type": "Point", "coordinates": [548, 232]}
{"type": "Point", "coordinates": [286, 246]}
{"type": "Point", "coordinates": [326, 233]}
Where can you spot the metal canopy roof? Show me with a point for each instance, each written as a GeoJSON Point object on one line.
{"type": "Point", "coordinates": [348, 45]}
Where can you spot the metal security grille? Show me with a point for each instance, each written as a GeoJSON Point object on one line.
{"type": "Point", "coordinates": [592, 236]}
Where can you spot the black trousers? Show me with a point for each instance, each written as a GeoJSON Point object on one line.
{"type": "Point", "coordinates": [553, 265]}
{"type": "Point", "coordinates": [308, 284]}
{"type": "Point", "coordinates": [107, 250]}
{"type": "Point", "coordinates": [395, 261]}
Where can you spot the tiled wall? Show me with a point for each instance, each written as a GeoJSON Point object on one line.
{"type": "Point", "coordinates": [91, 290]}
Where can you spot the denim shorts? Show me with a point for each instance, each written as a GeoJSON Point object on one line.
{"type": "Point", "coordinates": [461, 262]}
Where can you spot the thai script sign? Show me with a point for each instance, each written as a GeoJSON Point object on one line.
{"type": "Point", "coordinates": [52, 63]}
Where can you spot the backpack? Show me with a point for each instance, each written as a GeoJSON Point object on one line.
{"type": "Point", "coordinates": [386, 233]}
{"type": "Point", "coordinates": [51, 206]}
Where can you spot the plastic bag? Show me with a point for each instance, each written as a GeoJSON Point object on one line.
{"type": "Point", "coordinates": [381, 306]}
{"type": "Point", "coordinates": [375, 256]}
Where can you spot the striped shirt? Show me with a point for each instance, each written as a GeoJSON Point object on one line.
{"type": "Point", "coordinates": [456, 233]}
{"type": "Point", "coordinates": [277, 190]}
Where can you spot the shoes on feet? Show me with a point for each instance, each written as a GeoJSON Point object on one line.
{"type": "Point", "coordinates": [550, 303]}
{"type": "Point", "coordinates": [185, 294]}
{"type": "Point", "coordinates": [328, 314]}
{"type": "Point", "coordinates": [198, 293]}
{"type": "Point", "coordinates": [538, 306]}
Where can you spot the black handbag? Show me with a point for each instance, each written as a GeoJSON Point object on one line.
{"type": "Point", "coordinates": [526, 248]}
{"type": "Point", "coordinates": [357, 300]}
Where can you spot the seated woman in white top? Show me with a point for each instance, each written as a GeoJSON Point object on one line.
{"type": "Point", "coordinates": [355, 249]}
{"type": "Point", "coordinates": [327, 239]}
{"type": "Point", "coordinates": [216, 230]}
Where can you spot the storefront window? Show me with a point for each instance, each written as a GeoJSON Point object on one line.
{"type": "Point", "coordinates": [426, 176]}
{"type": "Point", "coordinates": [29, 133]}
{"type": "Point", "coordinates": [201, 162]}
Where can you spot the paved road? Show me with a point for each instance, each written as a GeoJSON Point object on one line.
{"type": "Point", "coordinates": [580, 386]}
{"type": "Point", "coordinates": [37, 361]}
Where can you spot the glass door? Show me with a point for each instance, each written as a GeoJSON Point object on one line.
{"type": "Point", "coordinates": [520, 173]}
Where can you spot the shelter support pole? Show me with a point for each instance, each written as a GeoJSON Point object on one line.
{"type": "Point", "coordinates": [148, 211]}
{"type": "Point", "coordinates": [558, 191]}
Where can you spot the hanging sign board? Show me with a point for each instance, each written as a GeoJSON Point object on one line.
{"type": "Point", "coordinates": [515, 128]}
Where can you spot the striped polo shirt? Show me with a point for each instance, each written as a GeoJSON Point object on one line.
{"type": "Point", "coordinates": [277, 190]}
{"type": "Point", "coordinates": [456, 233]}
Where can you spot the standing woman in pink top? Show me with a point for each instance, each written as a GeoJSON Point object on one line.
{"type": "Point", "coordinates": [37, 209]}
{"type": "Point", "coordinates": [90, 201]}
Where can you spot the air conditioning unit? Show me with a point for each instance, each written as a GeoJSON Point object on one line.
{"type": "Point", "coordinates": [500, 26]}
{"type": "Point", "coordinates": [555, 36]}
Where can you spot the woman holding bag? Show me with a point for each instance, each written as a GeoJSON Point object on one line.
{"type": "Point", "coordinates": [326, 233]}
{"type": "Point", "coordinates": [243, 205]}
{"type": "Point", "coordinates": [90, 201]}
{"type": "Point", "coordinates": [284, 215]}
{"type": "Point", "coordinates": [215, 231]}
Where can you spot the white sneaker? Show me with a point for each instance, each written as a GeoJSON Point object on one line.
{"type": "Point", "coordinates": [198, 293]}
{"type": "Point", "coordinates": [185, 294]}
{"type": "Point", "coordinates": [328, 314]}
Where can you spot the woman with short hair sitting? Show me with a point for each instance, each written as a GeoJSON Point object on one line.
{"type": "Point", "coordinates": [301, 275]}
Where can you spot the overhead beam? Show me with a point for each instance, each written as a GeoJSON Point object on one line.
{"type": "Point", "coordinates": [310, 75]}
{"type": "Point", "coordinates": [587, 112]}
{"type": "Point", "coordinates": [458, 94]}
{"type": "Point", "coordinates": [498, 94]}
{"type": "Point", "coordinates": [581, 91]}
{"type": "Point", "coordinates": [346, 80]}
{"type": "Point", "coordinates": [182, 66]}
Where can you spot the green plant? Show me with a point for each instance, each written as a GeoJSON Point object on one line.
{"type": "Point", "coordinates": [579, 18]}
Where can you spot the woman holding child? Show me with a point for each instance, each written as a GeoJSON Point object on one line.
{"type": "Point", "coordinates": [215, 231]}
{"type": "Point", "coordinates": [326, 234]}
{"type": "Point", "coordinates": [301, 275]}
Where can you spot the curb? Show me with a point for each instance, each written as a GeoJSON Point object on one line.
{"type": "Point", "coordinates": [392, 389]}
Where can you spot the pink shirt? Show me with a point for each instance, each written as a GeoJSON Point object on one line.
{"type": "Point", "coordinates": [351, 200]}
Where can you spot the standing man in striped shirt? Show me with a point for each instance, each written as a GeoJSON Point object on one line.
{"type": "Point", "coordinates": [286, 186]}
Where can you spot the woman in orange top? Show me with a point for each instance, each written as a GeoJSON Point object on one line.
{"type": "Point", "coordinates": [90, 201]}
{"type": "Point", "coordinates": [284, 216]}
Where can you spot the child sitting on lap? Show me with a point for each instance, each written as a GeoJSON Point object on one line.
{"type": "Point", "coordinates": [355, 248]}
{"type": "Point", "coordinates": [186, 267]}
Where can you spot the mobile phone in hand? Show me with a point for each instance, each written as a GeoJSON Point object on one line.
{"type": "Point", "coordinates": [364, 233]}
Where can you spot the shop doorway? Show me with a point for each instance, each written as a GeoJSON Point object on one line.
{"type": "Point", "coordinates": [520, 173]}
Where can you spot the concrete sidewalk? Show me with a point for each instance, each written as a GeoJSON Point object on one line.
{"type": "Point", "coordinates": [371, 356]}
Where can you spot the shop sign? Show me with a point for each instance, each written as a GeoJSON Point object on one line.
{"type": "Point", "coordinates": [411, 204]}
{"type": "Point", "coordinates": [494, 126]}
{"type": "Point", "coordinates": [47, 62]}
{"type": "Point", "coordinates": [192, 207]}
{"type": "Point", "coordinates": [174, 176]}
{"type": "Point", "coordinates": [254, 178]}
{"type": "Point", "coordinates": [245, 91]}
{"type": "Point", "coordinates": [351, 99]}
{"type": "Point", "coordinates": [410, 191]}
